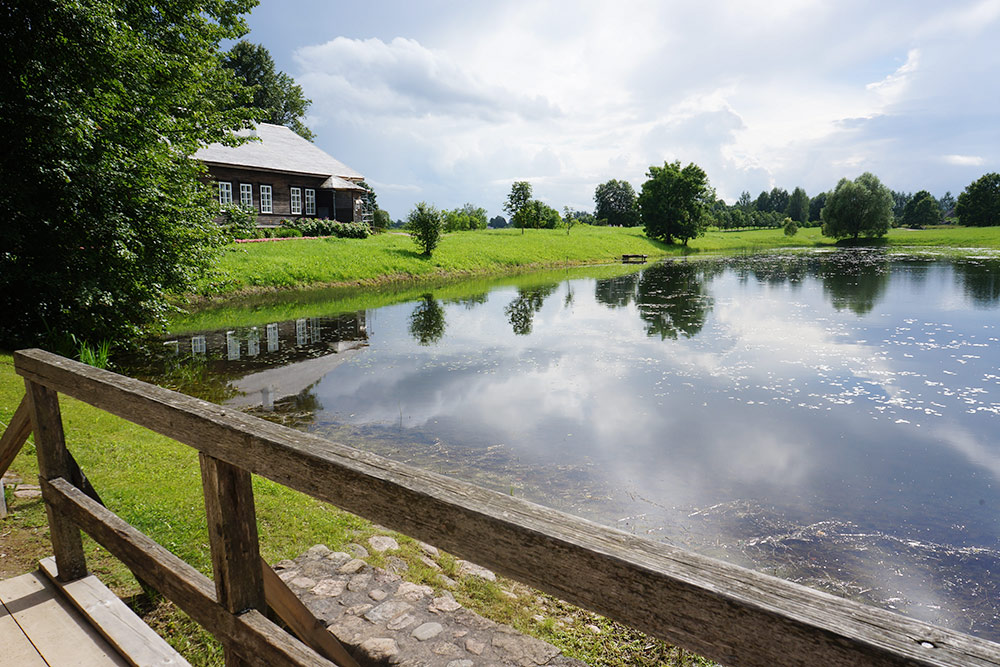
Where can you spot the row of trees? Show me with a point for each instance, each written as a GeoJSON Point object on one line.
{"type": "Point", "coordinates": [676, 202]}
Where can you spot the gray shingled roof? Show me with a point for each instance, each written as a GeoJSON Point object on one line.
{"type": "Point", "coordinates": [279, 149]}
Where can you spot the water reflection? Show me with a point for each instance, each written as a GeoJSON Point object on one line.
{"type": "Point", "coordinates": [427, 321]}
{"type": "Point", "coordinates": [980, 279]}
{"type": "Point", "coordinates": [521, 311]}
{"type": "Point", "coordinates": [829, 418]}
{"type": "Point", "coordinates": [856, 281]}
{"type": "Point", "coordinates": [672, 299]}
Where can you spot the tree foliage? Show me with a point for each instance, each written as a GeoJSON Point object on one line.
{"type": "Point", "coordinates": [816, 205]}
{"type": "Point", "coordinates": [617, 203]}
{"type": "Point", "coordinates": [979, 204]}
{"type": "Point", "coordinates": [673, 202]}
{"type": "Point", "coordinates": [798, 206]}
{"type": "Point", "coordinates": [424, 224]}
{"type": "Point", "coordinates": [921, 210]}
{"type": "Point", "coordinates": [520, 195]}
{"type": "Point", "coordinates": [862, 207]}
{"type": "Point", "coordinates": [464, 219]}
{"type": "Point", "coordinates": [104, 213]}
{"type": "Point", "coordinates": [277, 99]}
{"type": "Point", "coordinates": [382, 220]}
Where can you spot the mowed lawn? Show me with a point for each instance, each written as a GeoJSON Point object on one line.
{"type": "Point", "coordinates": [393, 256]}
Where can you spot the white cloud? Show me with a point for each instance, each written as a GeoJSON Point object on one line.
{"type": "Point", "coordinates": [965, 160]}
{"type": "Point", "coordinates": [570, 95]}
{"type": "Point", "coordinates": [894, 86]}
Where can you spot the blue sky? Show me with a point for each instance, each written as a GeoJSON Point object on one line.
{"type": "Point", "coordinates": [451, 102]}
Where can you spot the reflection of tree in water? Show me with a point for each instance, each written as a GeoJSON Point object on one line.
{"type": "Point", "coordinates": [617, 292]}
{"type": "Point", "coordinates": [980, 280]}
{"type": "Point", "coordinates": [471, 302]}
{"type": "Point", "coordinates": [521, 311]}
{"type": "Point", "coordinates": [856, 279]}
{"type": "Point", "coordinates": [673, 300]}
{"type": "Point", "coordinates": [427, 321]}
{"type": "Point", "coordinates": [772, 269]}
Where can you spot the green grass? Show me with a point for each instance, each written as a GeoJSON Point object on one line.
{"type": "Point", "coordinates": [393, 257]}
{"type": "Point", "coordinates": [154, 484]}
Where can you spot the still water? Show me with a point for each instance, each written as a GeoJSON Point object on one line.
{"type": "Point", "coordinates": [830, 418]}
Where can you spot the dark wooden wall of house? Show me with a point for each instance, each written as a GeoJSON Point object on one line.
{"type": "Point", "coordinates": [281, 185]}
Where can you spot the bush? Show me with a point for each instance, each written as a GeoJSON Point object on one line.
{"type": "Point", "coordinates": [424, 223]}
{"type": "Point", "coordinates": [791, 227]}
{"type": "Point", "coordinates": [326, 227]}
{"type": "Point", "coordinates": [285, 233]}
{"type": "Point", "coordinates": [240, 222]}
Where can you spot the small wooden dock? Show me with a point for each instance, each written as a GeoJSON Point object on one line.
{"type": "Point", "coordinates": [634, 259]}
{"type": "Point", "coordinates": [44, 623]}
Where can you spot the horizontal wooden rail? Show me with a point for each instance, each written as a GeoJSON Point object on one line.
{"type": "Point", "coordinates": [262, 643]}
{"type": "Point", "coordinates": [730, 614]}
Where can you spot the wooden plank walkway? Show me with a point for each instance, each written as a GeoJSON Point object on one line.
{"type": "Point", "coordinates": [44, 622]}
{"type": "Point", "coordinates": [38, 627]}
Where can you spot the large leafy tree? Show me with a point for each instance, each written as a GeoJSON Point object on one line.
{"type": "Point", "coordinates": [862, 207]}
{"type": "Point", "coordinates": [816, 205]}
{"type": "Point", "coordinates": [778, 200]}
{"type": "Point", "coordinates": [798, 206]}
{"type": "Point", "coordinates": [673, 202]}
{"type": "Point", "coordinates": [921, 210]}
{"type": "Point", "coordinates": [617, 203]}
{"type": "Point", "coordinates": [979, 204]}
{"type": "Point", "coordinates": [516, 205]}
{"type": "Point", "coordinates": [277, 99]}
{"type": "Point", "coordinates": [104, 211]}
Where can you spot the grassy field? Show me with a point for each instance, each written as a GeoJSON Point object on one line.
{"type": "Point", "coordinates": [393, 257]}
{"type": "Point", "coordinates": [154, 483]}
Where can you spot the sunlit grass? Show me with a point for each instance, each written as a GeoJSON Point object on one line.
{"type": "Point", "coordinates": [393, 257]}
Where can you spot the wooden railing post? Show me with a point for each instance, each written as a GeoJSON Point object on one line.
{"type": "Point", "coordinates": [232, 533]}
{"type": "Point", "coordinates": [54, 461]}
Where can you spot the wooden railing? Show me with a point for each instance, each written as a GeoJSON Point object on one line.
{"type": "Point", "coordinates": [730, 614]}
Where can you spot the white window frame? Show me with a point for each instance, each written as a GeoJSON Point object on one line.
{"type": "Point", "coordinates": [246, 195]}
{"type": "Point", "coordinates": [266, 200]}
{"type": "Point", "coordinates": [310, 201]}
{"type": "Point", "coordinates": [225, 193]}
{"type": "Point", "coordinates": [295, 197]}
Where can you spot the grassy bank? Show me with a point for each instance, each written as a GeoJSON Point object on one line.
{"type": "Point", "coordinates": [154, 483]}
{"type": "Point", "coordinates": [393, 257]}
{"type": "Point", "coordinates": [300, 262]}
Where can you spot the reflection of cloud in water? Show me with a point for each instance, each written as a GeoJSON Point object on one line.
{"type": "Point", "coordinates": [780, 403]}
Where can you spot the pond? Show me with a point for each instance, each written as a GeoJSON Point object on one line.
{"type": "Point", "coordinates": [831, 418]}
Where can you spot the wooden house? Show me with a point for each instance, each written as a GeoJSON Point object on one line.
{"type": "Point", "coordinates": [282, 176]}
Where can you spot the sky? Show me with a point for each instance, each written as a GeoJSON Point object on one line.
{"type": "Point", "coordinates": [449, 102]}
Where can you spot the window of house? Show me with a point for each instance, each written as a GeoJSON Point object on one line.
{"type": "Point", "coordinates": [310, 201]}
{"type": "Point", "coordinates": [265, 199]}
{"type": "Point", "coordinates": [225, 193]}
{"type": "Point", "coordinates": [296, 201]}
{"type": "Point", "coordinates": [246, 195]}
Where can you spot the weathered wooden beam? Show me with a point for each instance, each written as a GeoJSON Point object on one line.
{"type": "Point", "coordinates": [133, 639]}
{"type": "Point", "coordinates": [232, 538]}
{"type": "Point", "coordinates": [728, 613]}
{"type": "Point", "coordinates": [54, 461]}
{"type": "Point", "coordinates": [297, 616]}
{"type": "Point", "coordinates": [15, 435]}
{"type": "Point", "coordinates": [262, 642]}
